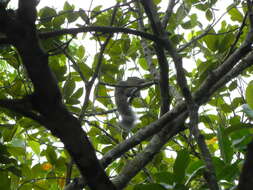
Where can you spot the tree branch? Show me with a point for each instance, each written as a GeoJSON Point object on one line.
{"type": "Point", "coordinates": [156, 26]}
{"type": "Point", "coordinates": [246, 177]}
{"type": "Point", "coordinates": [205, 153]}
{"type": "Point", "coordinates": [102, 29]}
{"type": "Point", "coordinates": [22, 107]}
{"type": "Point", "coordinates": [141, 159]}
{"type": "Point", "coordinates": [46, 98]}
{"type": "Point", "coordinates": [168, 13]}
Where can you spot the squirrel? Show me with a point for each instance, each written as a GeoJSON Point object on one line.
{"type": "Point", "coordinates": [123, 91]}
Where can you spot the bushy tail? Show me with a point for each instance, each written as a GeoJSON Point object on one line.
{"type": "Point", "coordinates": [122, 92]}
{"type": "Point", "coordinates": [125, 111]}
{"type": "Point", "coordinates": [127, 118]}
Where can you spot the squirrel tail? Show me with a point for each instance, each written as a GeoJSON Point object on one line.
{"type": "Point", "coordinates": [127, 120]}
{"type": "Point", "coordinates": [126, 113]}
{"type": "Point", "coordinates": [122, 93]}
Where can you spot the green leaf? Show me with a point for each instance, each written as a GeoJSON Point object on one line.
{"type": "Point", "coordinates": [211, 41]}
{"type": "Point", "coordinates": [125, 44]}
{"type": "Point", "coordinates": [181, 13]}
{"type": "Point", "coordinates": [95, 11]}
{"type": "Point", "coordinates": [51, 155]}
{"type": "Point", "coordinates": [5, 181]}
{"type": "Point", "coordinates": [197, 172]}
{"type": "Point", "coordinates": [84, 16]}
{"type": "Point", "coordinates": [202, 6]}
{"type": "Point", "coordinates": [209, 15]}
{"type": "Point", "coordinates": [235, 14]}
{"type": "Point", "coordinates": [80, 52]}
{"type": "Point", "coordinates": [107, 148]}
{"type": "Point", "coordinates": [58, 68]}
{"type": "Point", "coordinates": [46, 15]}
{"type": "Point", "coordinates": [109, 68]}
{"type": "Point", "coordinates": [137, 103]}
{"type": "Point", "coordinates": [72, 17]}
{"type": "Point", "coordinates": [68, 7]}
{"type": "Point", "coordinates": [85, 69]}
{"type": "Point", "coordinates": [72, 101]}
{"type": "Point", "coordinates": [180, 187]}
{"type": "Point", "coordinates": [228, 172]}
{"type": "Point", "coordinates": [233, 85]}
{"type": "Point", "coordinates": [58, 21]}
{"type": "Point", "coordinates": [240, 136]}
{"type": "Point", "coordinates": [180, 165]}
{"type": "Point", "coordinates": [78, 93]}
{"type": "Point", "coordinates": [101, 92]}
{"type": "Point", "coordinates": [247, 110]}
{"type": "Point", "coordinates": [74, 109]}
{"type": "Point", "coordinates": [18, 142]}
{"type": "Point", "coordinates": [157, 2]}
{"type": "Point", "coordinates": [249, 94]}
{"type": "Point", "coordinates": [164, 177]}
{"type": "Point", "coordinates": [226, 149]}
{"type": "Point", "coordinates": [237, 127]}
{"type": "Point", "coordinates": [143, 63]}
{"type": "Point", "coordinates": [8, 133]}
{"type": "Point", "coordinates": [226, 108]}
{"type": "Point", "coordinates": [187, 25]}
{"type": "Point", "coordinates": [35, 147]}
{"type": "Point", "coordinates": [176, 39]}
{"type": "Point", "coordinates": [153, 186]}
{"type": "Point", "coordinates": [103, 139]}
{"type": "Point", "coordinates": [68, 88]}
{"type": "Point", "coordinates": [224, 42]}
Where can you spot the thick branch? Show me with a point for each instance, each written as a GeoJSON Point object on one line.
{"type": "Point", "coordinates": [156, 26]}
{"type": "Point", "coordinates": [168, 13]}
{"type": "Point", "coordinates": [102, 29]}
{"type": "Point", "coordinates": [46, 98]}
{"type": "Point", "coordinates": [22, 107]}
{"type": "Point", "coordinates": [144, 157]}
{"type": "Point", "coordinates": [246, 177]}
{"type": "Point", "coordinates": [144, 43]}
{"type": "Point", "coordinates": [205, 153]}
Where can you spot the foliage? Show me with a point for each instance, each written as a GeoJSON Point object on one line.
{"type": "Point", "coordinates": [32, 158]}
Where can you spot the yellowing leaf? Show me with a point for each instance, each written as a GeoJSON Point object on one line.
{"type": "Point", "coordinates": [249, 94]}
{"type": "Point", "coordinates": [46, 166]}
{"type": "Point", "coordinates": [211, 141]}
{"type": "Point", "coordinates": [109, 90]}
{"type": "Point", "coordinates": [40, 182]}
{"type": "Point", "coordinates": [61, 182]}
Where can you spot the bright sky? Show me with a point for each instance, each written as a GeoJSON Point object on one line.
{"type": "Point", "coordinates": [106, 3]}
{"type": "Point", "coordinates": [220, 8]}
{"type": "Point", "coordinates": [84, 4]}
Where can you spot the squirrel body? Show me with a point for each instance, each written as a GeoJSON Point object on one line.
{"type": "Point", "coordinates": [123, 91]}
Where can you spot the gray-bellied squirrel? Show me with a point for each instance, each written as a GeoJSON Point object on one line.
{"type": "Point", "coordinates": [123, 91]}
